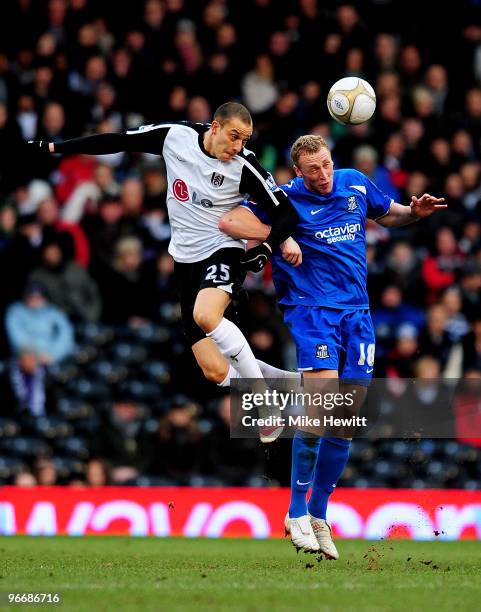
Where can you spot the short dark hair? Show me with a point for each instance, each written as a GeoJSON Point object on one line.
{"type": "Point", "coordinates": [228, 110]}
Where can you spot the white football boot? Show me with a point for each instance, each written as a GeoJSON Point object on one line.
{"type": "Point", "coordinates": [270, 432]}
{"type": "Point", "coordinates": [323, 533]}
{"type": "Point", "coordinates": [301, 532]}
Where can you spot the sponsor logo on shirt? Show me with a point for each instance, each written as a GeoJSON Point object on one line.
{"type": "Point", "coordinates": [339, 234]}
{"type": "Point", "coordinates": [180, 189]}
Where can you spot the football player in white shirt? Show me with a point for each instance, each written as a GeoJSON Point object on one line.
{"type": "Point", "coordinates": [209, 172]}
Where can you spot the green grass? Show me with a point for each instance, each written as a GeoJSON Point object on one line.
{"type": "Point", "coordinates": [102, 573]}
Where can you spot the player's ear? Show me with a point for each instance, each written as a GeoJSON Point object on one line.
{"type": "Point", "coordinates": [297, 170]}
{"type": "Point", "coordinates": [214, 126]}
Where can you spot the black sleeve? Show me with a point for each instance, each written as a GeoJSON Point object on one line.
{"type": "Point", "coordinates": [260, 187]}
{"type": "Point", "coordinates": [146, 139]}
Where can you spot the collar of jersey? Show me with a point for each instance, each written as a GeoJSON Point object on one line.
{"type": "Point", "coordinates": [201, 143]}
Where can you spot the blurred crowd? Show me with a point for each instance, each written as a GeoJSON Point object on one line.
{"type": "Point", "coordinates": [86, 278]}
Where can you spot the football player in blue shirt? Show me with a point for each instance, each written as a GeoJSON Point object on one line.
{"type": "Point", "coordinates": [325, 305]}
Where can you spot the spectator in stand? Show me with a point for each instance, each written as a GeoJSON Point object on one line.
{"type": "Point", "coordinates": [366, 161]}
{"type": "Point", "coordinates": [20, 255]}
{"type": "Point", "coordinates": [457, 325]}
{"type": "Point", "coordinates": [198, 110]}
{"type": "Point", "coordinates": [97, 473]}
{"type": "Point", "coordinates": [470, 241]}
{"type": "Point", "coordinates": [127, 286]}
{"type": "Point", "coordinates": [238, 462]}
{"type": "Point", "coordinates": [70, 236]}
{"type": "Point", "coordinates": [403, 269]}
{"type": "Point", "coordinates": [25, 479]}
{"type": "Point", "coordinates": [46, 473]}
{"type": "Point", "coordinates": [434, 339]}
{"type": "Point", "coordinates": [424, 409]}
{"type": "Point", "coordinates": [386, 51]}
{"type": "Point", "coordinates": [51, 127]}
{"type": "Point", "coordinates": [103, 230]}
{"type": "Point", "coordinates": [85, 198]}
{"type": "Point", "coordinates": [36, 325]}
{"type": "Point", "coordinates": [391, 313]}
{"type": "Point", "coordinates": [439, 269]}
{"type": "Point", "coordinates": [401, 359]}
{"type": "Point", "coordinates": [181, 445]}
{"type": "Point", "coordinates": [27, 117]}
{"type": "Point", "coordinates": [470, 173]}
{"type": "Point", "coordinates": [259, 91]}
{"type": "Point", "coordinates": [164, 282]}
{"type": "Point", "coordinates": [472, 347]}
{"type": "Point", "coordinates": [73, 173]}
{"type": "Point", "coordinates": [8, 223]}
{"type": "Point", "coordinates": [12, 170]}
{"type": "Point", "coordinates": [123, 440]}
{"type": "Point", "coordinates": [66, 284]}
{"type": "Point", "coordinates": [471, 290]}
{"type": "Point", "coordinates": [132, 201]}
{"type": "Point", "coordinates": [25, 388]}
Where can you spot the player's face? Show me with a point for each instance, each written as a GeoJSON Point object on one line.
{"type": "Point", "coordinates": [317, 170]}
{"type": "Point", "coordinates": [229, 138]}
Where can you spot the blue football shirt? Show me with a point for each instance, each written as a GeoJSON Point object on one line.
{"type": "Point", "coordinates": [331, 232]}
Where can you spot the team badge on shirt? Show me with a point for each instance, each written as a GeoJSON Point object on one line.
{"type": "Point", "coordinates": [322, 352]}
{"type": "Point", "coordinates": [217, 179]}
{"type": "Point", "coordinates": [352, 204]}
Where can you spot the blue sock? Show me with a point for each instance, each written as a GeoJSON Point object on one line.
{"type": "Point", "coordinates": [331, 461]}
{"type": "Point", "coordinates": [304, 455]}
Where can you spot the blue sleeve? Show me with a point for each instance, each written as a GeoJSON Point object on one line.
{"type": "Point", "coordinates": [17, 331]}
{"type": "Point", "coordinates": [63, 343]}
{"type": "Point", "coordinates": [378, 203]}
{"type": "Point", "coordinates": [262, 215]}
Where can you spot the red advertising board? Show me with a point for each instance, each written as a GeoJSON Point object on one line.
{"type": "Point", "coordinates": [249, 512]}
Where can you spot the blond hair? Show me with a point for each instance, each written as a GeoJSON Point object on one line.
{"type": "Point", "coordinates": [309, 143]}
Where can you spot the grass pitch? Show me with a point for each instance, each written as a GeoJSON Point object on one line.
{"type": "Point", "coordinates": [106, 573]}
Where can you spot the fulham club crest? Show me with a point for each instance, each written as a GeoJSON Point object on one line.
{"type": "Point", "coordinates": [217, 179]}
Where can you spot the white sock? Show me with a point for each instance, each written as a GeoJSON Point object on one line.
{"type": "Point", "coordinates": [231, 374]}
{"type": "Point", "coordinates": [269, 371]}
{"type": "Point", "coordinates": [233, 345]}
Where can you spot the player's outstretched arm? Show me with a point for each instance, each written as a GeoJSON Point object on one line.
{"type": "Point", "coordinates": [148, 141]}
{"type": "Point", "coordinates": [419, 208]}
{"type": "Point", "coordinates": [241, 223]}
{"type": "Point", "coordinates": [261, 188]}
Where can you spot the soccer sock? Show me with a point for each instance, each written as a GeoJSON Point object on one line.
{"type": "Point", "coordinates": [269, 371]}
{"type": "Point", "coordinates": [305, 447]}
{"type": "Point", "coordinates": [231, 374]}
{"type": "Point", "coordinates": [331, 461]}
{"type": "Point", "coordinates": [233, 345]}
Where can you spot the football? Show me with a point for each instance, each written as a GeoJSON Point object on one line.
{"type": "Point", "coordinates": [351, 100]}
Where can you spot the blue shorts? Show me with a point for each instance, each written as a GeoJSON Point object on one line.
{"type": "Point", "coordinates": [329, 339]}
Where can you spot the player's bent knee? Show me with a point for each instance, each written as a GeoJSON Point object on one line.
{"type": "Point", "coordinates": [205, 320]}
{"type": "Point", "coordinates": [214, 373]}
